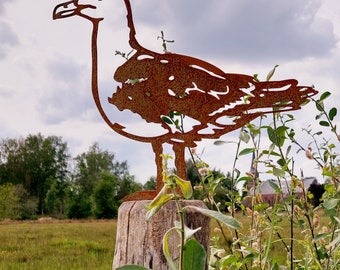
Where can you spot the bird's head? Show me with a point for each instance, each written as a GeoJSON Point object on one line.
{"type": "Point", "coordinates": [72, 8]}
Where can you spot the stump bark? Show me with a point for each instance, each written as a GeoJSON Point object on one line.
{"type": "Point", "coordinates": [140, 242]}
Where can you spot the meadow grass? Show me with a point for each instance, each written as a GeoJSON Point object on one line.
{"type": "Point", "coordinates": [277, 249]}
{"type": "Point", "coordinates": [58, 245]}
{"type": "Point", "coordinates": [89, 244]}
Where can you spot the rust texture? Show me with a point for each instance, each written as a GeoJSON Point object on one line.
{"type": "Point", "coordinates": [157, 85]}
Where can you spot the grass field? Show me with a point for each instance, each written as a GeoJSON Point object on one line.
{"type": "Point", "coordinates": [85, 245]}
{"type": "Point", "coordinates": [58, 245]}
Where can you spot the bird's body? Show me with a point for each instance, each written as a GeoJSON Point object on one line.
{"type": "Point", "coordinates": [156, 85]}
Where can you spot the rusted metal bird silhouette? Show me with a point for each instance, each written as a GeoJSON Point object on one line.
{"type": "Point", "coordinates": [158, 85]}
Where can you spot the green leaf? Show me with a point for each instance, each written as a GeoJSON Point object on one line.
{"type": "Point", "coordinates": [289, 199]}
{"type": "Point", "coordinates": [320, 106]}
{"type": "Point", "coordinates": [167, 120]}
{"type": "Point", "coordinates": [219, 142]}
{"type": "Point", "coordinates": [188, 233]}
{"type": "Point", "coordinates": [278, 172]}
{"type": "Point", "coordinates": [334, 129]}
{"type": "Point", "coordinates": [331, 212]}
{"type": "Point", "coordinates": [249, 257]}
{"type": "Point", "coordinates": [246, 151]}
{"type": "Point", "coordinates": [271, 73]}
{"type": "Point", "coordinates": [274, 186]}
{"type": "Point", "coordinates": [281, 162]}
{"type": "Point", "coordinates": [330, 204]}
{"type": "Point", "coordinates": [318, 116]}
{"type": "Point", "coordinates": [335, 242]}
{"type": "Point", "coordinates": [162, 198]}
{"type": "Point", "coordinates": [324, 123]}
{"type": "Point", "coordinates": [194, 257]}
{"type": "Point", "coordinates": [132, 267]}
{"type": "Point", "coordinates": [244, 136]}
{"type": "Point", "coordinates": [227, 220]}
{"type": "Point", "coordinates": [324, 96]}
{"type": "Point", "coordinates": [184, 185]}
{"type": "Point", "coordinates": [271, 135]}
{"type": "Point", "coordinates": [289, 148]}
{"type": "Point", "coordinates": [291, 134]}
{"type": "Point", "coordinates": [281, 132]}
{"type": "Point", "coordinates": [320, 236]}
{"type": "Point", "coordinates": [277, 136]}
{"type": "Point", "coordinates": [177, 123]}
{"type": "Point", "coordinates": [271, 153]}
{"type": "Point", "coordinates": [229, 260]}
{"type": "Point", "coordinates": [166, 250]}
{"type": "Point", "coordinates": [332, 113]}
{"type": "Point", "coordinates": [253, 129]}
{"type": "Point", "coordinates": [332, 146]}
{"type": "Point", "coordinates": [261, 206]}
{"type": "Point", "coordinates": [244, 178]}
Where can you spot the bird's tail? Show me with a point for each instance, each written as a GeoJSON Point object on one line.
{"type": "Point", "coordinates": [284, 95]}
{"type": "Point", "coordinates": [263, 98]}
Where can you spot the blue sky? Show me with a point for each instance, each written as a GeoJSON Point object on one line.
{"type": "Point", "coordinates": [45, 64]}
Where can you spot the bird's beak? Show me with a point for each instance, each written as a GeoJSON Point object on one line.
{"type": "Point", "coordinates": [69, 9]}
{"type": "Point", "coordinates": [64, 10]}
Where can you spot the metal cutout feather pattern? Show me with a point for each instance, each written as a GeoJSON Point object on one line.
{"type": "Point", "coordinates": [158, 85]}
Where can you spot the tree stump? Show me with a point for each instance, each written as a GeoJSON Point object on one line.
{"type": "Point", "coordinates": [140, 242]}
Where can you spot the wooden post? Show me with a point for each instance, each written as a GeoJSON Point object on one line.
{"type": "Point", "coordinates": [140, 242]}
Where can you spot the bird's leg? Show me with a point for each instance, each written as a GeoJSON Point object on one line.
{"type": "Point", "coordinates": [151, 194]}
{"type": "Point", "coordinates": [180, 165]}
{"type": "Point", "coordinates": [158, 150]}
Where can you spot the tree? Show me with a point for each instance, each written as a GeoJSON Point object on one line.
{"type": "Point", "coordinates": [45, 159]}
{"type": "Point", "coordinates": [12, 168]}
{"type": "Point", "coordinates": [52, 201]}
{"type": "Point", "coordinates": [106, 205]}
{"type": "Point", "coordinates": [28, 203]}
{"type": "Point", "coordinates": [192, 173]}
{"type": "Point", "coordinates": [9, 202]}
{"type": "Point", "coordinates": [150, 184]}
{"type": "Point", "coordinates": [34, 162]}
{"type": "Point", "coordinates": [127, 186]}
{"type": "Point", "coordinates": [39, 169]}
{"type": "Point", "coordinates": [90, 165]}
{"type": "Point", "coordinates": [80, 204]}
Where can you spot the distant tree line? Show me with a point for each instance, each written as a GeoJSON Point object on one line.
{"type": "Point", "coordinates": [39, 177]}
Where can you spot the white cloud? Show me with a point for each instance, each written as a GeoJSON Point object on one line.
{"type": "Point", "coordinates": [252, 30]}
{"type": "Point", "coordinates": [7, 39]}
{"type": "Point", "coordinates": [45, 65]}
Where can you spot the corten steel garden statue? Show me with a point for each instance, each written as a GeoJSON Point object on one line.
{"type": "Point", "coordinates": [161, 86]}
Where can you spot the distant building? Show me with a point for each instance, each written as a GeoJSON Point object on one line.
{"type": "Point", "coordinates": [270, 196]}
{"type": "Point", "coordinates": [267, 191]}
